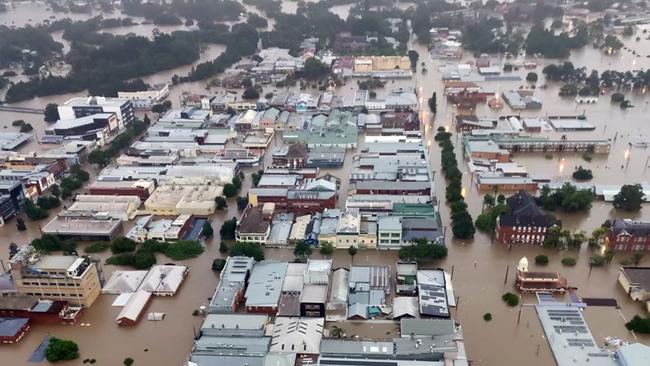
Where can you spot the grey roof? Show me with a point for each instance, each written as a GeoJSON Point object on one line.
{"type": "Point", "coordinates": [9, 327]}
{"type": "Point", "coordinates": [403, 185]}
{"type": "Point", "coordinates": [634, 354]}
{"type": "Point", "coordinates": [427, 327]}
{"type": "Point", "coordinates": [432, 293]}
{"type": "Point", "coordinates": [431, 348]}
{"type": "Point", "coordinates": [364, 278]}
{"type": "Point", "coordinates": [212, 360]}
{"type": "Point", "coordinates": [389, 223]}
{"type": "Point", "coordinates": [339, 289]}
{"type": "Point", "coordinates": [569, 336]}
{"type": "Point", "coordinates": [235, 321]}
{"type": "Point", "coordinates": [297, 335]}
{"type": "Point", "coordinates": [233, 277]}
{"type": "Point", "coordinates": [340, 347]}
{"type": "Point", "coordinates": [314, 294]}
{"type": "Point", "coordinates": [265, 283]}
{"type": "Point", "coordinates": [241, 346]}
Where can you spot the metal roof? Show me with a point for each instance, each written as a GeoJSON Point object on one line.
{"type": "Point", "coordinates": [265, 283]}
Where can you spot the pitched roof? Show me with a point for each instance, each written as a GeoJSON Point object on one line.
{"type": "Point", "coordinates": [633, 228]}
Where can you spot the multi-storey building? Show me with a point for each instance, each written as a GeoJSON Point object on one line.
{"type": "Point", "coordinates": [628, 235]}
{"type": "Point", "coordinates": [525, 222]}
{"type": "Point", "coordinates": [82, 107]}
{"type": "Point", "coordinates": [55, 277]}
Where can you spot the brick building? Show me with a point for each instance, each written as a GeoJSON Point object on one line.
{"type": "Point", "coordinates": [628, 235]}
{"type": "Point", "coordinates": [525, 223]}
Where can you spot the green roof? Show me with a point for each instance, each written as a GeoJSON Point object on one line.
{"type": "Point", "coordinates": [415, 209]}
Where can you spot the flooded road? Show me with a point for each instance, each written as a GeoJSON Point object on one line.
{"type": "Point", "coordinates": [479, 267]}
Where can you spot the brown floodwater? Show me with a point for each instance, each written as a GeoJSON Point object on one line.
{"type": "Point", "coordinates": [479, 266]}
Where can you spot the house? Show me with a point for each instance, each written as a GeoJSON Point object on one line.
{"type": "Point", "coordinates": [253, 226]}
{"type": "Point", "coordinates": [525, 222]}
{"type": "Point", "coordinates": [636, 283]}
{"type": "Point", "coordinates": [265, 287]}
{"type": "Point", "coordinates": [628, 235]}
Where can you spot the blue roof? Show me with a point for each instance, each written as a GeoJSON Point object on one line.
{"type": "Point", "coordinates": [10, 327]}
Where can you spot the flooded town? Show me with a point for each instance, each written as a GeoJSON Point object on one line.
{"type": "Point", "coordinates": [333, 182]}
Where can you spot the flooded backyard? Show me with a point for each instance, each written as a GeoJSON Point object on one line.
{"type": "Point", "coordinates": [479, 266]}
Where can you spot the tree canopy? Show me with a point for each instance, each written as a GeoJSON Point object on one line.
{"type": "Point", "coordinates": [629, 198]}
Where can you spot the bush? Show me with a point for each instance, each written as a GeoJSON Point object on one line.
{"type": "Point", "coordinates": [32, 211]}
{"type": "Point", "coordinates": [183, 249]}
{"type": "Point", "coordinates": [242, 202]}
{"type": "Point", "coordinates": [96, 247]}
{"type": "Point", "coordinates": [48, 202]}
{"type": "Point", "coordinates": [18, 123]}
{"type": "Point", "coordinates": [582, 174]}
{"type": "Point", "coordinates": [223, 248]}
{"type": "Point", "coordinates": [597, 260]}
{"type": "Point", "coordinates": [51, 243]}
{"type": "Point", "coordinates": [618, 97]}
{"type": "Point", "coordinates": [487, 317]}
{"type": "Point", "coordinates": [229, 190]}
{"type": "Point", "coordinates": [421, 250]}
{"type": "Point", "coordinates": [128, 361]}
{"type": "Point", "coordinates": [122, 244]}
{"type": "Point", "coordinates": [61, 350]}
{"type": "Point", "coordinates": [207, 230]}
{"type": "Point", "coordinates": [510, 299]}
{"type": "Point", "coordinates": [531, 77]}
{"type": "Point", "coordinates": [541, 260]}
{"type": "Point", "coordinates": [639, 324]}
{"type": "Point", "coordinates": [218, 264]}
{"type": "Point", "coordinates": [26, 128]}
{"type": "Point", "coordinates": [569, 261]}
{"type": "Point", "coordinates": [143, 259]}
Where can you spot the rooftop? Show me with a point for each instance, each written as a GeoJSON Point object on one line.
{"type": "Point", "coordinates": [297, 335]}
{"type": "Point", "coordinates": [265, 283]}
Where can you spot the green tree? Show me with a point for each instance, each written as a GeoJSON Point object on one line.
{"type": "Point", "coordinates": [51, 113]}
{"type": "Point", "coordinates": [422, 250]}
{"type": "Point", "coordinates": [221, 203]}
{"type": "Point", "coordinates": [61, 350]}
{"type": "Point", "coordinates": [488, 201]}
{"type": "Point", "coordinates": [128, 361]}
{"type": "Point", "coordinates": [207, 230]}
{"type": "Point", "coordinates": [326, 248]}
{"type": "Point", "coordinates": [302, 250]}
{"type": "Point", "coordinates": [337, 332]}
{"type": "Point", "coordinates": [510, 299]}
{"type": "Point", "coordinates": [582, 174]}
{"type": "Point", "coordinates": [229, 190]}
{"type": "Point", "coordinates": [629, 198]}
{"type": "Point", "coordinates": [531, 77]}
{"type": "Point", "coordinates": [250, 93]}
{"type": "Point", "coordinates": [218, 264]}
{"type": "Point", "coordinates": [413, 57]}
{"type": "Point", "coordinates": [32, 211]}
{"type": "Point", "coordinates": [228, 229]}
{"type": "Point", "coordinates": [569, 261]}
{"type": "Point", "coordinates": [314, 69]}
{"type": "Point", "coordinates": [352, 251]}
{"type": "Point", "coordinates": [246, 249]}
{"type": "Point", "coordinates": [639, 325]}
{"type": "Point", "coordinates": [122, 244]}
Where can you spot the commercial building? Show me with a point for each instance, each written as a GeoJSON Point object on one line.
{"type": "Point", "coordinates": [117, 207]}
{"type": "Point", "coordinates": [140, 188]}
{"type": "Point", "coordinates": [435, 293]}
{"type": "Point", "coordinates": [470, 123]}
{"type": "Point", "coordinates": [163, 230]}
{"type": "Point", "coordinates": [525, 222]}
{"type": "Point", "coordinates": [338, 129]}
{"type": "Point", "coordinates": [55, 277]}
{"type": "Point", "coordinates": [292, 156]}
{"type": "Point", "coordinates": [636, 283]}
{"type": "Point", "coordinates": [95, 127]}
{"type": "Point", "coordinates": [297, 335]}
{"type": "Point", "coordinates": [10, 141]}
{"type": "Point", "coordinates": [145, 99]}
{"type": "Point", "coordinates": [193, 199]}
{"type": "Point", "coordinates": [84, 226]}
{"type": "Point", "coordinates": [81, 107]}
{"type": "Point", "coordinates": [265, 286]}
{"type": "Point", "coordinates": [38, 310]}
{"type": "Point", "coordinates": [628, 235]}
{"type": "Point", "coordinates": [534, 282]}
{"type": "Point", "coordinates": [336, 308]}
{"type": "Point", "coordinates": [12, 330]}
{"type": "Point", "coordinates": [309, 197]}
{"type": "Point", "coordinates": [229, 293]}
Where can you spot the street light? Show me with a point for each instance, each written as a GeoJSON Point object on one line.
{"type": "Point", "coordinates": [627, 157]}
{"type": "Point", "coordinates": [561, 166]}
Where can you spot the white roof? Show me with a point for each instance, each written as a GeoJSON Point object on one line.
{"type": "Point", "coordinates": [134, 306]}
{"type": "Point", "coordinates": [124, 282]}
{"type": "Point", "coordinates": [164, 279]}
{"type": "Point", "coordinates": [297, 335]}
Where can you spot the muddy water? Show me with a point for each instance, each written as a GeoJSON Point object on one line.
{"type": "Point", "coordinates": [479, 266]}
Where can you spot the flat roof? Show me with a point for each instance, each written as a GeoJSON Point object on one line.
{"type": "Point", "coordinates": [314, 294]}
{"type": "Point", "coordinates": [80, 225]}
{"type": "Point", "coordinates": [10, 327]}
{"type": "Point", "coordinates": [55, 262]}
{"type": "Point", "coordinates": [235, 321]}
{"type": "Point", "coordinates": [11, 140]}
{"type": "Point", "coordinates": [265, 283]}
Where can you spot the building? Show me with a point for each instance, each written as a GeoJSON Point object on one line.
{"type": "Point", "coordinates": [265, 287]}
{"type": "Point", "coordinates": [117, 207]}
{"type": "Point", "coordinates": [145, 99]}
{"type": "Point", "coordinates": [325, 157]}
{"type": "Point", "coordinates": [234, 325]}
{"type": "Point", "coordinates": [309, 197]}
{"type": "Point", "coordinates": [336, 308]}
{"type": "Point", "coordinates": [312, 300]}
{"type": "Point", "coordinates": [292, 287]}
{"type": "Point", "coordinates": [192, 199]}
{"type": "Point", "coordinates": [498, 181]}
{"type": "Point", "coordinates": [406, 280]}
{"type": "Point", "coordinates": [338, 129]}
{"type": "Point", "coordinates": [12, 330]}
{"type": "Point", "coordinates": [370, 64]}
{"type": "Point", "coordinates": [293, 156]}
{"type": "Point", "coordinates": [37, 310]}
{"type": "Point", "coordinates": [470, 123]}
{"type": "Point", "coordinates": [140, 188]}
{"type": "Point", "coordinates": [533, 282]}
{"type": "Point", "coordinates": [628, 235]}
{"type": "Point", "coordinates": [636, 283]}
{"type": "Point", "coordinates": [297, 335]}
{"type": "Point", "coordinates": [10, 141]}
{"type": "Point", "coordinates": [81, 107]}
{"type": "Point", "coordinates": [435, 293]}
{"type": "Point", "coordinates": [94, 127]}
{"type": "Point", "coordinates": [253, 226]}
{"type": "Point", "coordinates": [84, 226]}
{"type": "Point", "coordinates": [486, 149]}
{"type": "Point", "coordinates": [229, 293]}
{"type": "Point", "coordinates": [55, 277]}
{"type": "Point", "coordinates": [525, 222]}
{"type": "Point", "coordinates": [163, 230]}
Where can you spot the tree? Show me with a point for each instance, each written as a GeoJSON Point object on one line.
{"type": "Point", "coordinates": [433, 103]}
{"type": "Point", "coordinates": [636, 258]}
{"type": "Point", "coordinates": [487, 317]}
{"type": "Point", "coordinates": [242, 203]}
{"type": "Point", "coordinates": [352, 251]}
{"type": "Point", "coordinates": [510, 299]}
{"type": "Point", "coordinates": [251, 93]}
{"type": "Point", "coordinates": [51, 113]}
{"type": "Point", "coordinates": [337, 332]}
{"type": "Point", "coordinates": [413, 57]}
{"type": "Point", "coordinates": [617, 97]}
{"type": "Point", "coordinates": [314, 69]}
{"type": "Point", "coordinates": [531, 77]}
{"type": "Point", "coordinates": [246, 249]}
{"type": "Point", "coordinates": [422, 250]}
{"type": "Point", "coordinates": [26, 128]}
{"type": "Point", "coordinates": [236, 181]}
{"type": "Point", "coordinates": [541, 260]}
{"type": "Point", "coordinates": [582, 174]}
{"type": "Point", "coordinates": [32, 211]}
{"type": "Point", "coordinates": [61, 350]}
{"type": "Point", "coordinates": [629, 198]}
{"type": "Point", "coordinates": [326, 248]}
{"type": "Point", "coordinates": [302, 250]}
{"type": "Point", "coordinates": [208, 232]}
{"type": "Point", "coordinates": [218, 264]}
{"type": "Point", "coordinates": [229, 190]}
{"type": "Point", "coordinates": [639, 324]}
{"type": "Point", "coordinates": [128, 361]}
{"type": "Point", "coordinates": [55, 190]}
{"type": "Point", "coordinates": [221, 203]}
{"type": "Point", "coordinates": [146, 120]}
{"type": "Point", "coordinates": [228, 229]}
{"type": "Point", "coordinates": [255, 177]}
{"type": "Point", "coordinates": [122, 244]}
{"type": "Point", "coordinates": [488, 200]}
{"type": "Point", "coordinates": [48, 202]}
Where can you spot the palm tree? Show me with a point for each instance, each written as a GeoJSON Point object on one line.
{"type": "Point", "coordinates": [352, 251]}
{"type": "Point", "coordinates": [337, 332]}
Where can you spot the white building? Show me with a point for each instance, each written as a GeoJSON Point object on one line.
{"type": "Point", "coordinates": [145, 99]}
{"type": "Point", "coordinates": [86, 106]}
